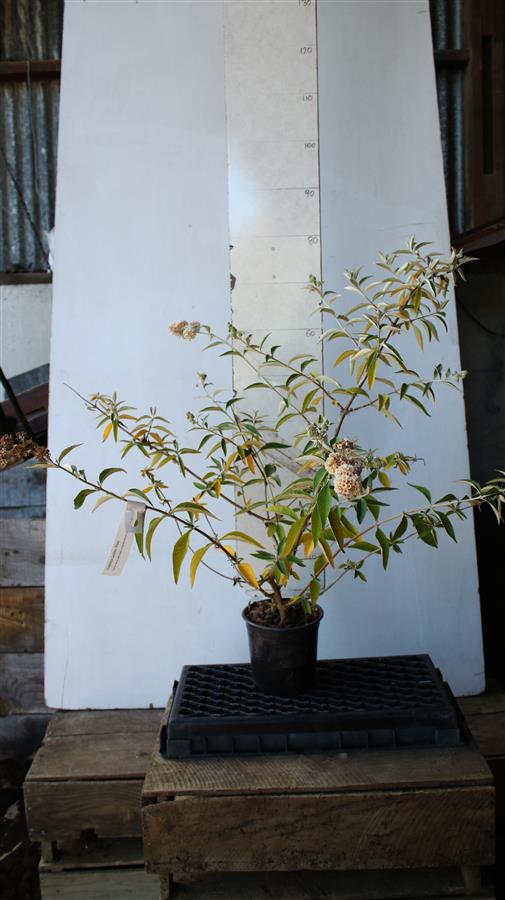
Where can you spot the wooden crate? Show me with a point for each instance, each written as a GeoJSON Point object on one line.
{"type": "Point", "coordinates": [412, 809]}
{"type": "Point", "coordinates": [86, 779]}
{"type": "Point", "coordinates": [97, 870]}
{"type": "Point", "coordinates": [485, 717]}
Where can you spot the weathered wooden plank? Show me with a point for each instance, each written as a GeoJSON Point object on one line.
{"type": "Point", "coordinates": [22, 552]}
{"type": "Point", "coordinates": [21, 736]}
{"type": "Point", "coordinates": [497, 766]}
{"type": "Point", "coordinates": [23, 486]}
{"type": "Point", "coordinates": [63, 810]}
{"type": "Point", "coordinates": [89, 853]}
{"type": "Point", "coordinates": [105, 721]}
{"type": "Point", "coordinates": [21, 620]}
{"type": "Point", "coordinates": [318, 772]}
{"type": "Point", "coordinates": [374, 830]}
{"type": "Point", "coordinates": [104, 757]}
{"type": "Point", "coordinates": [488, 732]}
{"type": "Point", "coordinates": [490, 702]}
{"type": "Point", "coordinates": [116, 884]}
{"type": "Point", "coordinates": [22, 683]}
{"type": "Point", "coordinates": [265, 886]}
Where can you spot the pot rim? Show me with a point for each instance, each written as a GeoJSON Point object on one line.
{"type": "Point", "coordinates": [282, 628]}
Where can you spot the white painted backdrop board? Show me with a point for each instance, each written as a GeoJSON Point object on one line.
{"type": "Point", "coordinates": [382, 181]}
{"type": "Point", "coordinates": [142, 239]}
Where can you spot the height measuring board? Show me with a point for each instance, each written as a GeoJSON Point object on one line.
{"type": "Point", "coordinates": [272, 124]}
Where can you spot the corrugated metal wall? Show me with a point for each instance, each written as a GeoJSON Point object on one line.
{"type": "Point", "coordinates": [447, 36]}
{"type": "Point", "coordinates": [29, 30]}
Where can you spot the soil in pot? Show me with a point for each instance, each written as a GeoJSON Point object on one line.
{"type": "Point", "coordinates": [283, 656]}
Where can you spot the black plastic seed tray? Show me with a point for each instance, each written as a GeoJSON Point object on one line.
{"type": "Point", "coordinates": [383, 701]}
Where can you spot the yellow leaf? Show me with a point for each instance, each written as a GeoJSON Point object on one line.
{"type": "Point", "coordinates": [308, 544]}
{"type": "Point", "coordinates": [107, 431]}
{"type": "Point", "coordinates": [343, 356]}
{"type": "Point", "coordinates": [327, 551]}
{"type": "Point", "coordinates": [196, 560]}
{"type": "Point", "coordinates": [384, 480]}
{"type": "Point", "coordinates": [231, 459]}
{"type": "Point", "coordinates": [228, 550]}
{"type": "Point", "coordinates": [247, 573]}
{"type": "Point", "coordinates": [217, 488]}
{"type": "Point", "coordinates": [250, 462]}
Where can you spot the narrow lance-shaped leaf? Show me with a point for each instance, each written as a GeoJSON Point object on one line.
{"type": "Point", "coordinates": [247, 573]}
{"type": "Point", "coordinates": [293, 535]}
{"type": "Point", "coordinates": [384, 545]}
{"type": "Point", "coordinates": [315, 590]}
{"type": "Point", "coordinates": [81, 496]}
{"type": "Point", "coordinates": [195, 562]}
{"type": "Point", "coordinates": [139, 532]}
{"type": "Point", "coordinates": [337, 528]}
{"type": "Point", "coordinates": [324, 501]}
{"type": "Point", "coordinates": [153, 524]}
{"type": "Point", "coordinates": [241, 536]}
{"type": "Point", "coordinates": [179, 552]}
{"type": "Point", "coordinates": [66, 451]}
{"type": "Point", "coordinates": [106, 472]}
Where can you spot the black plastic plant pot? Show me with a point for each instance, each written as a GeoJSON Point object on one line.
{"type": "Point", "coordinates": [283, 660]}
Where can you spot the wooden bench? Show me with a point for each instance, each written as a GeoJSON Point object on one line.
{"type": "Point", "coordinates": [83, 802]}
{"type": "Point", "coordinates": [408, 822]}
{"type": "Point", "coordinates": [485, 717]}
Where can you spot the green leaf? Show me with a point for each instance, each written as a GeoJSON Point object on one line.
{"type": "Point", "coordinates": [384, 545]}
{"type": "Point", "coordinates": [318, 477]}
{"type": "Point", "coordinates": [446, 522]}
{"type": "Point", "coordinates": [106, 472]}
{"type": "Point", "coordinates": [196, 560]}
{"type": "Point", "coordinates": [316, 525]}
{"type": "Point", "coordinates": [283, 511]}
{"type": "Point", "coordinates": [315, 590]}
{"type": "Point", "coordinates": [417, 403]}
{"type": "Point", "coordinates": [324, 502]}
{"type": "Point", "coordinates": [274, 445]}
{"type": "Point", "coordinates": [364, 545]}
{"type": "Point", "coordinates": [370, 370]}
{"type": "Point", "coordinates": [195, 507]}
{"type": "Point", "coordinates": [337, 528]}
{"type": "Point", "coordinates": [350, 529]}
{"type": "Point", "coordinates": [139, 493]}
{"type": "Point", "coordinates": [153, 524]}
{"type": "Point", "coordinates": [241, 536]}
{"type": "Point", "coordinates": [139, 532]}
{"type": "Point", "coordinates": [425, 531]}
{"type": "Point", "coordinates": [361, 510]}
{"type": "Point", "coordinates": [401, 528]}
{"type": "Point", "coordinates": [424, 491]}
{"type": "Point", "coordinates": [179, 552]}
{"type": "Point", "coordinates": [81, 496]}
{"type": "Point", "coordinates": [66, 451]}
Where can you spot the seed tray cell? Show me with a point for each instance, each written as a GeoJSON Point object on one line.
{"type": "Point", "coordinates": [382, 701]}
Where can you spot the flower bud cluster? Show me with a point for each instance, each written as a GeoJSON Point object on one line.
{"type": "Point", "coordinates": [185, 330]}
{"type": "Point", "coordinates": [346, 467]}
{"type": "Point", "coordinates": [16, 448]}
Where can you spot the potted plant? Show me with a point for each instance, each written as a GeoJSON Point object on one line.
{"type": "Point", "coordinates": [317, 500]}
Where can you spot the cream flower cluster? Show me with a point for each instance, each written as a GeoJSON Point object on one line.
{"type": "Point", "coordinates": [346, 469]}
{"type": "Point", "coordinates": [185, 330]}
{"type": "Point", "coordinates": [347, 483]}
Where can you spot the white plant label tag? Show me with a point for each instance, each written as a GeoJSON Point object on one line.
{"type": "Point", "coordinates": [130, 524]}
